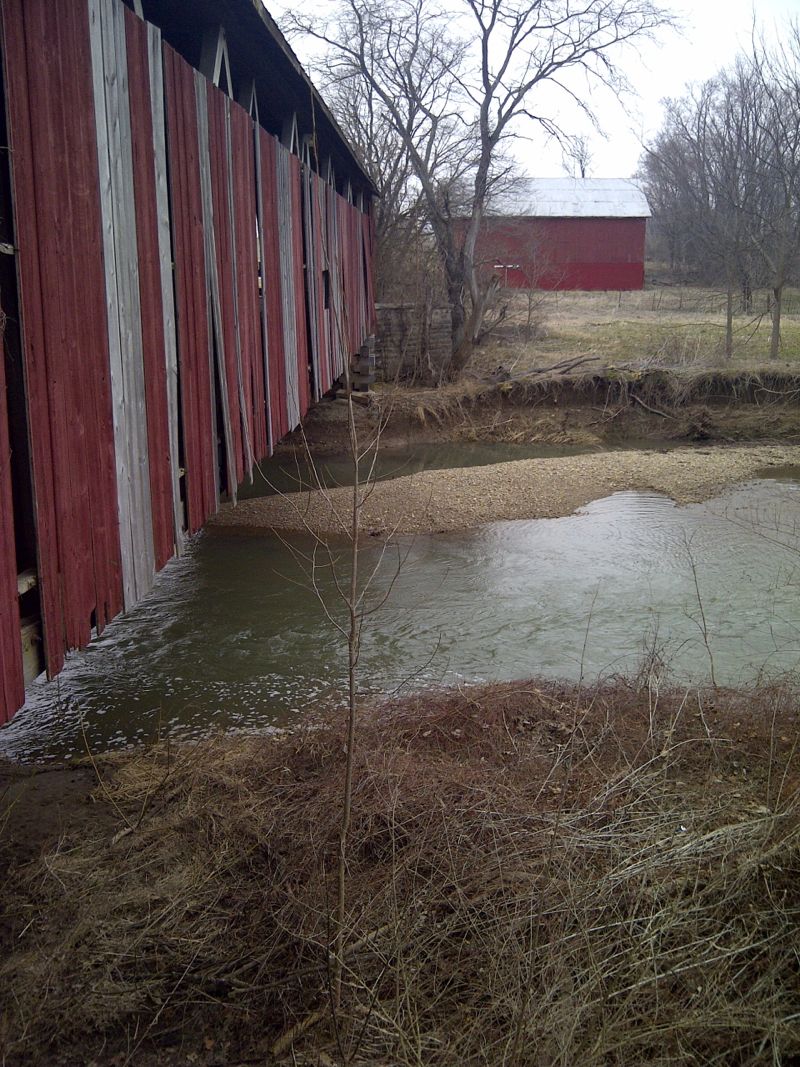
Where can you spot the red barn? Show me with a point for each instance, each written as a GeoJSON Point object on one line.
{"type": "Point", "coordinates": [567, 233]}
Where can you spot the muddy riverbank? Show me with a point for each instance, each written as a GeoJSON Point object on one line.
{"type": "Point", "coordinates": [598, 409]}
{"type": "Point", "coordinates": [438, 501]}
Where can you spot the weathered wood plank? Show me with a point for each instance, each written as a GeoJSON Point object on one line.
{"type": "Point", "coordinates": [158, 118]}
{"type": "Point", "coordinates": [196, 392]}
{"type": "Point", "coordinates": [247, 237]}
{"type": "Point", "coordinates": [12, 683]}
{"type": "Point", "coordinates": [216, 336]}
{"type": "Point", "coordinates": [223, 247]}
{"type": "Point", "coordinates": [273, 285]}
{"type": "Point", "coordinates": [244, 412]}
{"type": "Point", "coordinates": [121, 255]}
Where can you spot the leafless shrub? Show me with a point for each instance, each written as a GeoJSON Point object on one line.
{"type": "Point", "coordinates": [537, 876]}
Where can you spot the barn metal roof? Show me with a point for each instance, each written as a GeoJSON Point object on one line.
{"type": "Point", "coordinates": [604, 198]}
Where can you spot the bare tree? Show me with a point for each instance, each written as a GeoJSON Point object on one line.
{"type": "Point", "coordinates": [577, 156]}
{"type": "Point", "coordinates": [398, 210]}
{"type": "Point", "coordinates": [700, 184]}
{"type": "Point", "coordinates": [723, 177]}
{"type": "Point", "coordinates": [457, 83]}
{"type": "Point", "coordinates": [774, 216]}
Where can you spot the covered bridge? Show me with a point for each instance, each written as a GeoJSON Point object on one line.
{"type": "Point", "coordinates": [185, 266]}
{"type": "Point", "coordinates": [567, 233]}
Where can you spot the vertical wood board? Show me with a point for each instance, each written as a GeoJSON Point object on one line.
{"type": "Point", "coordinates": [262, 293]}
{"type": "Point", "coordinates": [287, 283]}
{"type": "Point", "coordinates": [273, 282]}
{"type": "Point", "coordinates": [221, 267]}
{"type": "Point", "coordinates": [165, 258]}
{"type": "Point", "coordinates": [247, 228]}
{"type": "Point", "coordinates": [244, 426]}
{"type": "Point", "coordinates": [216, 348]}
{"type": "Point", "coordinates": [64, 325]}
{"type": "Point", "coordinates": [12, 683]}
{"type": "Point", "coordinates": [192, 312]}
{"type": "Point", "coordinates": [150, 289]}
{"type": "Point", "coordinates": [298, 283]}
{"type": "Point", "coordinates": [123, 308]}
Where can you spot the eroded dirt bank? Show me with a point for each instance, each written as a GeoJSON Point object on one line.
{"type": "Point", "coordinates": [600, 409]}
{"type": "Point", "coordinates": [437, 501]}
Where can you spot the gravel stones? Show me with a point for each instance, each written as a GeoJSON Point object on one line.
{"type": "Point", "coordinates": [441, 500]}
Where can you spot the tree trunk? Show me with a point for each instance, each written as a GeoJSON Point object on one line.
{"type": "Point", "coordinates": [461, 345]}
{"type": "Point", "coordinates": [775, 339]}
{"type": "Point", "coordinates": [747, 294]}
{"type": "Point", "coordinates": [729, 321]}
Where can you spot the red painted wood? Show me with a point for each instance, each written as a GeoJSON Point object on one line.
{"type": "Point", "coordinates": [564, 253]}
{"type": "Point", "coordinates": [350, 237]}
{"type": "Point", "coordinates": [272, 284]}
{"type": "Point", "coordinates": [155, 372]}
{"type": "Point", "coordinates": [368, 234]}
{"type": "Point", "coordinates": [335, 317]}
{"type": "Point", "coordinates": [62, 293]}
{"type": "Point", "coordinates": [63, 312]}
{"type": "Point", "coordinates": [199, 432]}
{"type": "Point", "coordinates": [12, 684]}
{"type": "Point", "coordinates": [317, 189]}
{"type": "Point", "coordinates": [244, 202]}
{"type": "Point", "coordinates": [32, 323]}
{"type": "Point", "coordinates": [223, 240]}
{"type": "Point", "coordinates": [301, 326]}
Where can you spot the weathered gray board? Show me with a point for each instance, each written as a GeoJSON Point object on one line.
{"type": "Point", "coordinates": [320, 202]}
{"type": "Point", "coordinates": [336, 311]}
{"type": "Point", "coordinates": [156, 66]}
{"type": "Point", "coordinates": [263, 287]}
{"type": "Point", "coordinates": [247, 436]}
{"type": "Point", "coordinates": [215, 335]}
{"type": "Point", "coordinates": [288, 295]}
{"type": "Point", "coordinates": [312, 266]}
{"type": "Point", "coordinates": [121, 261]}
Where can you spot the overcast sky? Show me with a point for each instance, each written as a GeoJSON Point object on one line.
{"type": "Point", "coordinates": [713, 32]}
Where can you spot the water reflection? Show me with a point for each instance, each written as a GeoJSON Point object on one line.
{"type": "Point", "coordinates": [234, 638]}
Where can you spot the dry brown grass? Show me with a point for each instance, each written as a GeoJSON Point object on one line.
{"type": "Point", "coordinates": [539, 875]}
{"type": "Point", "coordinates": [667, 403]}
{"type": "Point", "coordinates": [662, 326]}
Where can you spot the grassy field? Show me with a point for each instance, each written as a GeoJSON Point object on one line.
{"type": "Point", "coordinates": [662, 326]}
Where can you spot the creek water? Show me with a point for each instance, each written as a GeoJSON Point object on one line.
{"type": "Point", "coordinates": [233, 638]}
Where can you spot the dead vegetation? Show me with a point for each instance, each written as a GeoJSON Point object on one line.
{"type": "Point", "coordinates": [600, 406]}
{"type": "Point", "coordinates": [539, 875]}
{"type": "Point", "coordinates": [669, 326]}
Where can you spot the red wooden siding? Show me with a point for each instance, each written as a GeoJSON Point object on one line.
{"type": "Point", "coordinates": [275, 328]}
{"type": "Point", "coordinates": [152, 313]}
{"type": "Point", "coordinates": [244, 204]}
{"type": "Point", "coordinates": [301, 330]}
{"type": "Point", "coordinates": [564, 253]}
{"type": "Point", "coordinates": [62, 292]}
{"type": "Point", "coordinates": [336, 312]}
{"type": "Point", "coordinates": [12, 685]}
{"type": "Point", "coordinates": [102, 250]}
{"type": "Point", "coordinates": [314, 238]}
{"type": "Point", "coordinates": [220, 188]}
{"type": "Point", "coordinates": [199, 435]}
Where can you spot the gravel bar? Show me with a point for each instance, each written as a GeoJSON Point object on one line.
{"type": "Point", "coordinates": [440, 500]}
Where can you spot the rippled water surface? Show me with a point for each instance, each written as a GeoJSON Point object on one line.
{"type": "Point", "coordinates": [233, 638]}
